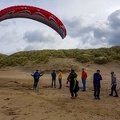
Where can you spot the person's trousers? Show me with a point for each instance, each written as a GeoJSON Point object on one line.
{"type": "Point", "coordinates": [35, 83]}
{"type": "Point", "coordinates": [60, 83]}
{"type": "Point", "coordinates": [97, 91]}
{"type": "Point", "coordinates": [113, 89]}
{"type": "Point", "coordinates": [53, 83]}
{"type": "Point", "coordinates": [84, 84]}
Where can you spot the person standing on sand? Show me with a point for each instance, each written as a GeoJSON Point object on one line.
{"type": "Point", "coordinates": [83, 77]}
{"type": "Point", "coordinates": [74, 86]}
{"type": "Point", "coordinates": [60, 79]}
{"type": "Point", "coordinates": [114, 84]}
{"type": "Point", "coordinates": [53, 75]}
{"type": "Point", "coordinates": [36, 77]}
{"type": "Point", "coordinates": [96, 82]}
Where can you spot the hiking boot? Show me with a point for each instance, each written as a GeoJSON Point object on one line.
{"type": "Point", "coordinates": [115, 96]}
{"type": "Point", "coordinates": [95, 97]}
{"type": "Point", "coordinates": [83, 90]}
{"type": "Point", "coordinates": [72, 97]}
{"type": "Point", "coordinates": [98, 98]}
{"type": "Point", "coordinates": [76, 95]}
{"type": "Point", "coordinates": [110, 95]}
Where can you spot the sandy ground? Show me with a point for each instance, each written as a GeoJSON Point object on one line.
{"type": "Point", "coordinates": [19, 102]}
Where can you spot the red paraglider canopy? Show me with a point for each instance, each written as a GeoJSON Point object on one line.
{"type": "Point", "coordinates": [38, 14]}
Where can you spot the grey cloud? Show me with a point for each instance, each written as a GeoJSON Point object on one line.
{"type": "Point", "coordinates": [107, 33]}
{"type": "Point", "coordinates": [99, 32]}
{"type": "Point", "coordinates": [114, 20]}
{"type": "Point", "coordinates": [114, 38]}
{"type": "Point", "coordinates": [76, 27]}
{"type": "Point", "coordinates": [84, 32]}
{"type": "Point", "coordinates": [37, 40]}
{"type": "Point", "coordinates": [36, 36]}
{"type": "Point", "coordinates": [114, 24]}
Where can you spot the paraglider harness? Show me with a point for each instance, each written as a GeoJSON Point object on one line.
{"type": "Point", "coordinates": [76, 85]}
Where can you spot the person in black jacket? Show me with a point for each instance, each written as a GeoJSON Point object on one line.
{"type": "Point", "coordinates": [36, 77]}
{"type": "Point", "coordinates": [96, 82]}
{"type": "Point", "coordinates": [74, 85]}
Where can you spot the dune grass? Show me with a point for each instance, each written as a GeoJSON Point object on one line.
{"type": "Point", "coordinates": [50, 59]}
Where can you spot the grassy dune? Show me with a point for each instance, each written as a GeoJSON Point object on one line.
{"type": "Point", "coordinates": [60, 59]}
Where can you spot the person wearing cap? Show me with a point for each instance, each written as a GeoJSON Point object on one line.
{"type": "Point", "coordinates": [96, 82]}
{"type": "Point", "coordinates": [113, 84]}
{"type": "Point", "coordinates": [84, 77]}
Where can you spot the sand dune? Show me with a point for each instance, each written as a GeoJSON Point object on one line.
{"type": "Point", "coordinates": [19, 102]}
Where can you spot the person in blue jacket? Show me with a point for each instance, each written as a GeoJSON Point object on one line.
{"type": "Point", "coordinates": [96, 82]}
{"type": "Point", "coordinates": [53, 75]}
{"type": "Point", "coordinates": [36, 77]}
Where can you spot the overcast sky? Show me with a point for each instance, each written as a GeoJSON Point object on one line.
{"type": "Point", "coordinates": [89, 24]}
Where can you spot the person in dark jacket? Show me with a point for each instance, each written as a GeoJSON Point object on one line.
{"type": "Point", "coordinates": [74, 85]}
{"type": "Point", "coordinates": [36, 77]}
{"type": "Point", "coordinates": [53, 75]}
{"type": "Point", "coordinates": [114, 84]}
{"type": "Point", "coordinates": [96, 82]}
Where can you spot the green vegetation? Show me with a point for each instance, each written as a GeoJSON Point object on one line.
{"type": "Point", "coordinates": [43, 57]}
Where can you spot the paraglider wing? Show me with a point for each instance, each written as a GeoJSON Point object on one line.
{"type": "Point", "coordinates": [38, 14]}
